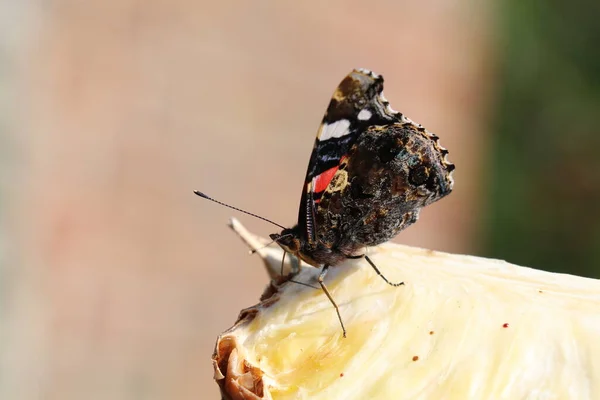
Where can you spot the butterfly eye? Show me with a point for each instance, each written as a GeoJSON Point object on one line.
{"type": "Point", "coordinates": [419, 175]}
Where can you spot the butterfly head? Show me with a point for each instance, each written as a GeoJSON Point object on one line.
{"type": "Point", "coordinates": [288, 239]}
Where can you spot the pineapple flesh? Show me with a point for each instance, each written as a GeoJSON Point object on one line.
{"type": "Point", "coordinates": [461, 327]}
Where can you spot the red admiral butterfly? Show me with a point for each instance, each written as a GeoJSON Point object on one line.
{"type": "Point", "coordinates": [370, 172]}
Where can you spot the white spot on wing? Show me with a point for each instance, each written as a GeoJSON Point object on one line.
{"type": "Point", "coordinates": [364, 114]}
{"type": "Point", "coordinates": [335, 130]}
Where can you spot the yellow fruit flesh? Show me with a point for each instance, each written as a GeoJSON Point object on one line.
{"type": "Point", "coordinates": [461, 328]}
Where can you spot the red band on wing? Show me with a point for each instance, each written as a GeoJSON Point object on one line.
{"type": "Point", "coordinates": [322, 180]}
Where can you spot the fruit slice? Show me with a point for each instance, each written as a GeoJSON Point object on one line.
{"type": "Point", "coordinates": [462, 327]}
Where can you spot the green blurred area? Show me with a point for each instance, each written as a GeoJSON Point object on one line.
{"type": "Point", "coordinates": [545, 178]}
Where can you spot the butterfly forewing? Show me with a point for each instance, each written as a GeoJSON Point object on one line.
{"type": "Point", "coordinates": [357, 103]}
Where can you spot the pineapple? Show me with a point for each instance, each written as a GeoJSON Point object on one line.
{"type": "Point", "coordinates": [461, 327]}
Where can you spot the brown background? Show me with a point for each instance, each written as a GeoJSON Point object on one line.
{"type": "Point", "coordinates": [116, 279]}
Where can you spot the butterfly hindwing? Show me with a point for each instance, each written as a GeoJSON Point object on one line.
{"type": "Point", "coordinates": [389, 174]}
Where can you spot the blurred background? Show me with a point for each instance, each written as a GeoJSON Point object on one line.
{"type": "Point", "coordinates": [115, 279]}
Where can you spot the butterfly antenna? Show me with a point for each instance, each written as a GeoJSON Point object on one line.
{"type": "Point", "coordinates": [237, 209]}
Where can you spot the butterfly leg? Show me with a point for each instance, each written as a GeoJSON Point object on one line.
{"type": "Point", "coordinates": [294, 265]}
{"type": "Point", "coordinates": [294, 272]}
{"type": "Point", "coordinates": [304, 284]}
{"type": "Point", "coordinates": [380, 274]}
{"type": "Point", "coordinates": [282, 262]}
{"type": "Point", "coordinates": [337, 310]}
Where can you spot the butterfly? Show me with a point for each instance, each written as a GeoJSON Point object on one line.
{"type": "Point", "coordinates": [370, 172]}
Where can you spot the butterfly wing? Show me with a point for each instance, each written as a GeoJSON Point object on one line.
{"type": "Point", "coordinates": [388, 170]}
{"type": "Point", "coordinates": [389, 174]}
{"type": "Point", "coordinates": [356, 104]}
